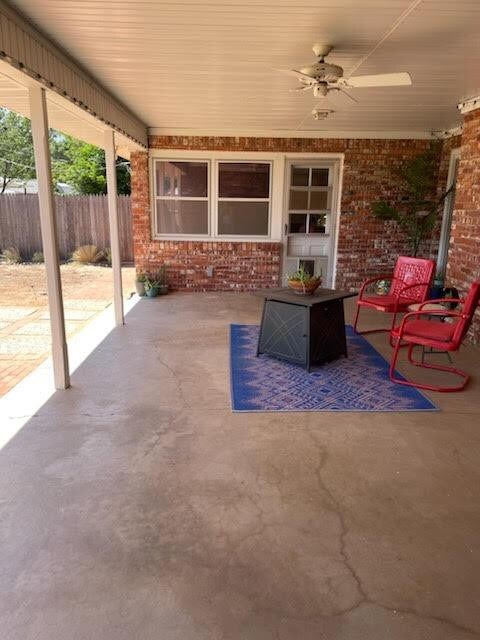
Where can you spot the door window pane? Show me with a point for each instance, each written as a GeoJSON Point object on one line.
{"type": "Point", "coordinates": [308, 266]}
{"type": "Point", "coordinates": [298, 200]}
{"type": "Point", "coordinates": [243, 180]}
{"type": "Point", "coordinates": [300, 176]}
{"type": "Point", "coordinates": [182, 216]}
{"type": "Point", "coordinates": [318, 200]}
{"type": "Point", "coordinates": [317, 223]}
{"type": "Point", "coordinates": [243, 218]}
{"type": "Point", "coordinates": [319, 177]}
{"type": "Point", "coordinates": [298, 223]}
{"type": "Point", "coordinates": [182, 179]}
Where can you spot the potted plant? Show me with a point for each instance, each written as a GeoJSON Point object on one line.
{"type": "Point", "coordinates": [417, 210]}
{"type": "Point", "coordinates": [140, 283]}
{"type": "Point", "coordinates": [151, 286]}
{"type": "Point", "coordinates": [162, 281]}
{"type": "Point", "coordinates": [438, 286]}
{"type": "Point", "coordinates": [303, 283]}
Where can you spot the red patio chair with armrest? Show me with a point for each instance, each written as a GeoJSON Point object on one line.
{"type": "Point", "coordinates": [410, 284]}
{"type": "Point", "coordinates": [442, 336]}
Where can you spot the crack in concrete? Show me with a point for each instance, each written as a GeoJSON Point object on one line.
{"type": "Point", "coordinates": [160, 433]}
{"type": "Point", "coordinates": [321, 618]}
{"type": "Point", "coordinates": [421, 616]}
{"type": "Point", "coordinates": [336, 509]}
{"type": "Point", "coordinates": [179, 384]}
{"type": "Point", "coordinates": [364, 597]}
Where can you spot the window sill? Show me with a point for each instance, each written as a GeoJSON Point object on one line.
{"type": "Point", "coordinates": [184, 238]}
{"type": "Point", "coordinates": [302, 234]}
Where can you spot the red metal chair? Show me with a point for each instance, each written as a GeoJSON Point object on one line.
{"type": "Point", "coordinates": [441, 336]}
{"type": "Point", "coordinates": [410, 284]}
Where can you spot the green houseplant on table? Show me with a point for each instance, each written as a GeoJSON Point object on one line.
{"type": "Point", "coordinates": [303, 283]}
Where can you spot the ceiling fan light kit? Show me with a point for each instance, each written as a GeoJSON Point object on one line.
{"type": "Point", "coordinates": [321, 114]}
{"type": "Point", "coordinates": [325, 78]}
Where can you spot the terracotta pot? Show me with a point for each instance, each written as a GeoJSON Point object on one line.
{"type": "Point", "coordinates": [305, 288]}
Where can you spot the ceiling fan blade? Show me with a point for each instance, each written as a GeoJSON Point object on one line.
{"type": "Point", "coordinates": [296, 74]}
{"type": "Point", "coordinates": [304, 88]}
{"type": "Point", "coordinates": [380, 80]}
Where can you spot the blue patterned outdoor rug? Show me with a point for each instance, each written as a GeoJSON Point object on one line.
{"type": "Point", "coordinates": [357, 383]}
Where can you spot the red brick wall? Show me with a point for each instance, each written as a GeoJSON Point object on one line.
{"type": "Point", "coordinates": [236, 265]}
{"type": "Point", "coordinates": [464, 253]}
{"type": "Point", "coordinates": [366, 246]}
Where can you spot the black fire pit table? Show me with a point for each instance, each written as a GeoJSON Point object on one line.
{"type": "Point", "coordinates": [306, 330]}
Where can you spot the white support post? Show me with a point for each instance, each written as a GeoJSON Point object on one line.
{"type": "Point", "coordinates": [48, 225]}
{"type": "Point", "coordinates": [110, 161]}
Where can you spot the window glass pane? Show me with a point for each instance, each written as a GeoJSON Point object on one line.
{"type": "Point", "coordinates": [243, 180]}
{"type": "Point", "coordinates": [318, 200]}
{"type": "Point", "coordinates": [298, 223]}
{"type": "Point", "coordinates": [298, 199]}
{"type": "Point", "coordinates": [308, 266]}
{"type": "Point", "coordinates": [299, 177]}
{"type": "Point", "coordinates": [317, 223]}
{"type": "Point", "coordinates": [243, 218]}
{"type": "Point", "coordinates": [182, 216]}
{"type": "Point", "coordinates": [184, 179]}
{"type": "Point", "coordinates": [319, 177]}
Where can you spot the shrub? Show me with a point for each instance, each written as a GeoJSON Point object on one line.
{"type": "Point", "coordinates": [107, 254]}
{"type": "Point", "coordinates": [162, 275]}
{"type": "Point", "coordinates": [12, 255]}
{"type": "Point", "coordinates": [87, 254]}
{"type": "Point", "coordinates": [38, 257]}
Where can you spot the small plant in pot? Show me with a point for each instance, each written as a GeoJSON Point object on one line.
{"type": "Point", "coordinates": [161, 277]}
{"type": "Point", "coordinates": [156, 283]}
{"type": "Point", "coordinates": [151, 286]}
{"type": "Point", "coordinates": [303, 283]}
{"type": "Point", "coordinates": [140, 283]}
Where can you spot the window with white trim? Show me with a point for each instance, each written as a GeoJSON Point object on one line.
{"type": "Point", "coordinates": [181, 197]}
{"type": "Point", "coordinates": [243, 198]}
{"type": "Point", "coordinates": [233, 202]}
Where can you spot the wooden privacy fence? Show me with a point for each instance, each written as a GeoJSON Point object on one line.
{"type": "Point", "coordinates": [80, 220]}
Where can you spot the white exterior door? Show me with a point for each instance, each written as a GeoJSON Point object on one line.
{"type": "Point", "coordinates": [310, 217]}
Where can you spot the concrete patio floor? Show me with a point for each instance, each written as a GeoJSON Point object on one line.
{"type": "Point", "coordinates": [137, 506]}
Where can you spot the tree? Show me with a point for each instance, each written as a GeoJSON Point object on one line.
{"type": "Point", "coordinates": [417, 212]}
{"type": "Point", "coordinates": [82, 165]}
{"type": "Point", "coordinates": [16, 149]}
{"type": "Point", "coordinates": [77, 163]}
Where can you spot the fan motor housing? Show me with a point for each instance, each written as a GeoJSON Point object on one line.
{"type": "Point", "coordinates": [323, 71]}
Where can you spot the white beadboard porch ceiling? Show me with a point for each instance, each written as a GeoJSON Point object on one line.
{"type": "Point", "coordinates": [209, 67]}
{"type": "Point", "coordinates": [61, 115]}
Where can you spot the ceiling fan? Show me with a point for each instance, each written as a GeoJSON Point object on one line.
{"type": "Point", "coordinates": [323, 77]}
